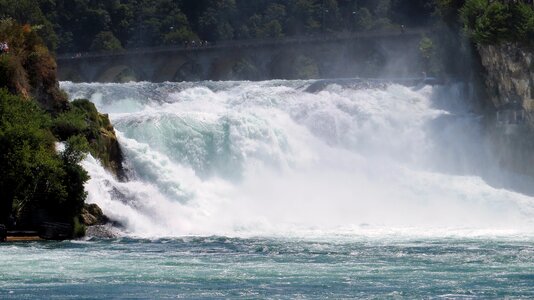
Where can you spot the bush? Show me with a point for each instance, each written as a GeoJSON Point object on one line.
{"type": "Point", "coordinates": [12, 75]}
{"type": "Point", "coordinates": [522, 18]}
{"type": "Point", "coordinates": [29, 69]}
{"type": "Point", "coordinates": [178, 36]}
{"type": "Point", "coordinates": [106, 41]}
{"type": "Point", "coordinates": [83, 119]}
{"type": "Point", "coordinates": [472, 11]}
{"type": "Point", "coordinates": [493, 25]}
{"type": "Point", "coordinates": [498, 22]}
{"type": "Point", "coordinates": [69, 123]}
{"type": "Point", "coordinates": [37, 183]}
{"type": "Point", "coordinates": [79, 228]}
{"type": "Point", "coordinates": [364, 19]}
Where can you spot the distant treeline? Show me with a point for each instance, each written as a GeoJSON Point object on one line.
{"type": "Point", "coordinates": [93, 25]}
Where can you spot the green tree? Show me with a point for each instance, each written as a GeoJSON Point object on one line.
{"type": "Point", "coordinates": [275, 12]}
{"type": "Point", "coordinates": [332, 16]}
{"type": "Point", "coordinates": [29, 12]}
{"type": "Point", "coordinates": [272, 29]}
{"type": "Point", "coordinates": [216, 22]}
{"type": "Point", "coordinates": [426, 47]}
{"type": "Point", "coordinates": [493, 25]}
{"type": "Point", "coordinates": [471, 11]}
{"type": "Point", "coordinates": [33, 176]}
{"type": "Point", "coordinates": [106, 41]}
{"type": "Point", "coordinates": [305, 16]}
{"type": "Point", "coordinates": [448, 11]}
{"type": "Point", "coordinates": [522, 21]}
{"type": "Point", "coordinates": [179, 35]}
{"type": "Point", "coordinates": [363, 19]}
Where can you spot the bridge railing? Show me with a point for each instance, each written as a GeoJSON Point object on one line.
{"type": "Point", "coordinates": [251, 43]}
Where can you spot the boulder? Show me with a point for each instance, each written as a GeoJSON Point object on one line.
{"type": "Point", "coordinates": [107, 231]}
{"type": "Point", "coordinates": [92, 215]}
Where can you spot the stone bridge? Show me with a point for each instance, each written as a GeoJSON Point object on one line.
{"type": "Point", "coordinates": [369, 54]}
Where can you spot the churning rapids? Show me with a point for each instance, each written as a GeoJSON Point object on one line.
{"type": "Point", "coordinates": [270, 158]}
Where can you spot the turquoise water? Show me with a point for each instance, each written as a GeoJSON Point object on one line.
{"type": "Point", "coordinates": [220, 267]}
{"type": "Point", "coordinates": [345, 192]}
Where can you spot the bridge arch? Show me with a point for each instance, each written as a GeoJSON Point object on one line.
{"type": "Point", "coordinates": [119, 73]}
{"type": "Point", "coordinates": [189, 70]}
{"type": "Point", "coordinates": [166, 66]}
{"type": "Point", "coordinates": [73, 73]}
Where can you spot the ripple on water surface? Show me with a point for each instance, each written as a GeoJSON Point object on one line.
{"type": "Point", "coordinates": [281, 268]}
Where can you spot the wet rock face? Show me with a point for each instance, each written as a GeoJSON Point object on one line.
{"type": "Point", "coordinates": [510, 88]}
{"type": "Point", "coordinates": [103, 232]}
{"type": "Point", "coordinates": [92, 215]}
{"type": "Point", "coordinates": [509, 76]}
{"type": "Point", "coordinates": [83, 118]}
{"type": "Point", "coordinates": [107, 148]}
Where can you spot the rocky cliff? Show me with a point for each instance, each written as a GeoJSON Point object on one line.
{"type": "Point", "coordinates": [509, 81]}
{"type": "Point", "coordinates": [509, 77]}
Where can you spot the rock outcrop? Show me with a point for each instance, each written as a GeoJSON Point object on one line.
{"type": "Point", "coordinates": [82, 118]}
{"type": "Point", "coordinates": [48, 191]}
{"type": "Point", "coordinates": [510, 76]}
{"type": "Point", "coordinates": [510, 88]}
{"type": "Point", "coordinates": [92, 215]}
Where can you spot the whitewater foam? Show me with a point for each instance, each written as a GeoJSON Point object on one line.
{"type": "Point", "coordinates": [269, 158]}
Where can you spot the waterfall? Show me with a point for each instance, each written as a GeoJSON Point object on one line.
{"type": "Point", "coordinates": [269, 158]}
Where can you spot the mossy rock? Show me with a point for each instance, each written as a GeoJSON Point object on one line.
{"type": "Point", "coordinates": [82, 118]}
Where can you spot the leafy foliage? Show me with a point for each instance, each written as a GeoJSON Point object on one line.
{"type": "Point", "coordinates": [83, 119]}
{"type": "Point", "coordinates": [83, 25]}
{"type": "Point", "coordinates": [448, 11]}
{"type": "Point", "coordinates": [498, 21]}
{"type": "Point", "coordinates": [36, 182]}
{"type": "Point", "coordinates": [106, 41]}
{"type": "Point", "coordinates": [29, 69]}
{"type": "Point", "coordinates": [28, 12]}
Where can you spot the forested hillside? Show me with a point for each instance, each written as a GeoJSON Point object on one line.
{"type": "Point", "coordinates": [92, 25]}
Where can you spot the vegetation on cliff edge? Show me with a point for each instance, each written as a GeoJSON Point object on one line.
{"type": "Point", "coordinates": [492, 22]}
{"type": "Point", "coordinates": [38, 183]}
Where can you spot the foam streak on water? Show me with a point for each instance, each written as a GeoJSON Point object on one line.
{"type": "Point", "coordinates": [269, 158]}
{"type": "Point", "coordinates": [219, 267]}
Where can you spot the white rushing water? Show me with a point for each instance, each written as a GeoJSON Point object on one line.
{"type": "Point", "coordinates": [270, 158]}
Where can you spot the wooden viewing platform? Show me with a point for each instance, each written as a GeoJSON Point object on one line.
{"type": "Point", "coordinates": [22, 236]}
{"type": "Point", "coordinates": [32, 238]}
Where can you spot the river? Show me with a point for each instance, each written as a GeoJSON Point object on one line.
{"type": "Point", "coordinates": [266, 189]}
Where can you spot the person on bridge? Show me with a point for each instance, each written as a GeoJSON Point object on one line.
{"type": "Point", "coordinates": [4, 48]}
{"type": "Point", "coordinates": [403, 29]}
